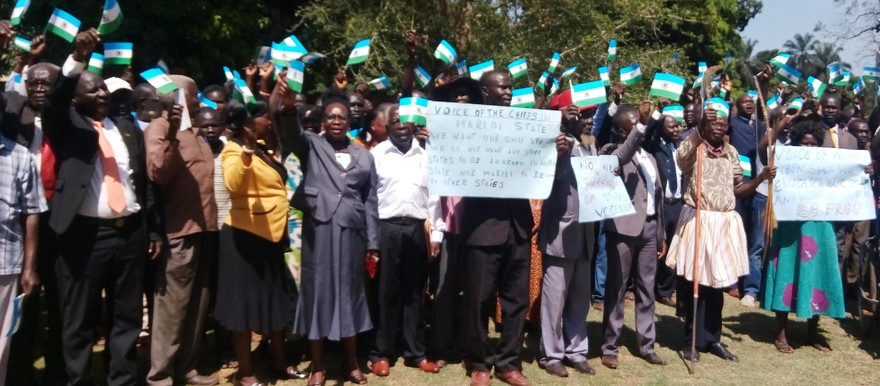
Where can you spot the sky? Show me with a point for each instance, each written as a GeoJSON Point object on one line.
{"type": "Point", "coordinates": [780, 20]}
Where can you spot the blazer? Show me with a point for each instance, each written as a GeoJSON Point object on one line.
{"type": "Point", "coordinates": [257, 193]}
{"type": "Point", "coordinates": [75, 143]}
{"type": "Point", "coordinates": [560, 233]}
{"type": "Point", "coordinates": [632, 225]}
{"type": "Point", "coordinates": [662, 155]}
{"type": "Point", "coordinates": [17, 119]}
{"type": "Point", "coordinates": [328, 191]}
{"type": "Point", "coordinates": [844, 138]}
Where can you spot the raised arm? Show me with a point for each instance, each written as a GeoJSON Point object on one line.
{"type": "Point", "coordinates": [163, 155]}
{"type": "Point", "coordinates": [411, 45]}
{"type": "Point", "coordinates": [291, 132]}
{"type": "Point", "coordinates": [56, 112]}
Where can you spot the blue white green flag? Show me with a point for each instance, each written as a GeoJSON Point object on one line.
{"type": "Point", "coordinates": [359, 53]}
{"type": "Point", "coordinates": [63, 24]}
{"type": "Point", "coordinates": [159, 80]}
{"type": "Point", "coordinates": [205, 102]}
{"type": "Point", "coordinates": [311, 57]}
{"type": "Point", "coordinates": [835, 72]}
{"type": "Point", "coordinates": [478, 70]}
{"type": "Point", "coordinates": [870, 73]}
{"type": "Point", "coordinates": [542, 81]}
{"type": "Point", "coordinates": [789, 74]}
{"type": "Point", "coordinates": [413, 110]}
{"type": "Point", "coordinates": [753, 94]}
{"type": "Point", "coordinates": [293, 41]}
{"type": "Point", "coordinates": [111, 19]}
{"type": "Point", "coordinates": [773, 102]}
{"type": "Point", "coordinates": [780, 60]}
{"type": "Point", "coordinates": [795, 105]}
{"type": "Point", "coordinates": [603, 74]}
{"type": "Point", "coordinates": [243, 93]}
{"type": "Point", "coordinates": [844, 80]}
{"type": "Point", "coordinates": [296, 73]}
{"type": "Point", "coordinates": [461, 68]}
{"type": "Point", "coordinates": [518, 68]}
{"type": "Point", "coordinates": [21, 6]}
{"type": "Point", "coordinates": [282, 54]}
{"type": "Point", "coordinates": [816, 86]}
{"type": "Point", "coordinates": [228, 73]}
{"type": "Point", "coordinates": [569, 72]}
{"type": "Point", "coordinates": [523, 97]}
{"type": "Point", "coordinates": [423, 78]}
{"type": "Point", "coordinates": [263, 55]}
{"type": "Point", "coordinates": [380, 83]}
{"type": "Point", "coordinates": [698, 82]}
{"type": "Point", "coordinates": [445, 52]}
{"type": "Point", "coordinates": [702, 67]}
{"type": "Point", "coordinates": [722, 109]}
{"type": "Point", "coordinates": [859, 87]}
{"type": "Point", "coordinates": [22, 44]}
{"type": "Point", "coordinates": [667, 86]}
{"type": "Point", "coordinates": [612, 50]}
{"type": "Point", "coordinates": [631, 75]}
{"type": "Point", "coordinates": [118, 53]}
{"type": "Point", "coordinates": [96, 63]}
{"type": "Point", "coordinates": [554, 62]}
{"type": "Point", "coordinates": [555, 87]}
{"type": "Point", "coordinates": [164, 66]}
{"type": "Point", "coordinates": [586, 94]}
{"type": "Point", "coordinates": [674, 111]}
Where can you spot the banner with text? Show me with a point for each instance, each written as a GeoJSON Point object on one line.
{"type": "Point", "coordinates": [491, 151]}
{"type": "Point", "coordinates": [814, 183]}
{"type": "Point", "coordinates": [601, 193]}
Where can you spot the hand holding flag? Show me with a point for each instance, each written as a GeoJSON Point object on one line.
{"type": "Point", "coordinates": [359, 53]}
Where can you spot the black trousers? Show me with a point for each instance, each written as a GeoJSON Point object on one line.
{"type": "Point", "coordinates": [22, 353]}
{"type": "Point", "coordinates": [403, 271]}
{"type": "Point", "coordinates": [97, 256]}
{"type": "Point", "coordinates": [446, 276]}
{"type": "Point", "coordinates": [708, 318]}
{"type": "Point", "coordinates": [501, 270]}
{"type": "Point", "coordinates": [665, 280]}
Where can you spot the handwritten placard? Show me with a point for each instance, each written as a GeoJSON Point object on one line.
{"type": "Point", "coordinates": [814, 183]}
{"type": "Point", "coordinates": [491, 151]}
{"type": "Point", "coordinates": [601, 193]}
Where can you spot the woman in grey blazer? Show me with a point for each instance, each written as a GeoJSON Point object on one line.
{"type": "Point", "coordinates": [340, 230]}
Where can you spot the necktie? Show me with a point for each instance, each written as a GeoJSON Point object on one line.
{"type": "Point", "coordinates": [833, 138]}
{"type": "Point", "coordinates": [115, 194]}
{"type": "Point", "coordinates": [672, 178]}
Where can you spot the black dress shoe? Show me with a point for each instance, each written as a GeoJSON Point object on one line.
{"type": "Point", "coordinates": [687, 354]}
{"type": "Point", "coordinates": [582, 367]}
{"type": "Point", "coordinates": [666, 301]}
{"type": "Point", "coordinates": [721, 351]}
{"type": "Point", "coordinates": [557, 369]}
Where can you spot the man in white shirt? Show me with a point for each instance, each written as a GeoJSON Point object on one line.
{"type": "Point", "coordinates": [404, 206]}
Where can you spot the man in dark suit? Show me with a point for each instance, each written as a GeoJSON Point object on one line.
{"type": "Point", "coordinates": [496, 235]}
{"type": "Point", "coordinates": [633, 240]}
{"type": "Point", "coordinates": [99, 215]}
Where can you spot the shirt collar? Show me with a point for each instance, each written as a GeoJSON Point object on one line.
{"type": "Point", "coordinates": [413, 150]}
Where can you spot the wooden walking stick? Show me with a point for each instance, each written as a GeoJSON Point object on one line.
{"type": "Point", "coordinates": [769, 214]}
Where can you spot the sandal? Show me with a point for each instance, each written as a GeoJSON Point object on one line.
{"type": "Point", "coordinates": [819, 343]}
{"type": "Point", "coordinates": [783, 347]}
{"type": "Point", "coordinates": [358, 379]}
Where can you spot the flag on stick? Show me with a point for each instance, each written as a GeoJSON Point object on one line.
{"type": "Point", "coordinates": [359, 53]}
{"type": "Point", "coordinates": [96, 63]}
{"type": "Point", "coordinates": [118, 53]}
{"type": "Point", "coordinates": [21, 6]}
{"type": "Point", "coordinates": [478, 70]}
{"type": "Point", "coordinates": [445, 52]}
{"type": "Point", "coordinates": [554, 62]}
{"type": "Point", "coordinates": [612, 50]}
{"type": "Point", "coordinates": [414, 110]}
{"type": "Point", "coordinates": [523, 97]}
{"type": "Point", "coordinates": [631, 75]}
{"type": "Point", "coordinates": [63, 24]}
{"type": "Point", "coordinates": [591, 93]}
{"type": "Point", "coordinates": [423, 78]}
{"type": "Point", "coordinates": [667, 85]}
{"type": "Point", "coordinates": [380, 83]}
{"type": "Point", "coordinates": [518, 68]}
{"type": "Point", "coordinates": [111, 19]}
{"type": "Point", "coordinates": [158, 79]}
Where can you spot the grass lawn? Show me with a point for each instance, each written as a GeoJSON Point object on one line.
{"type": "Point", "coordinates": [749, 333]}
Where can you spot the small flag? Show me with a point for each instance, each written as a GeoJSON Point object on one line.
{"type": "Point", "coordinates": [674, 59]}
{"type": "Point", "coordinates": [844, 80]}
{"type": "Point", "coordinates": [263, 55]}
{"type": "Point", "coordinates": [15, 321]}
{"type": "Point", "coordinates": [111, 19]}
{"type": "Point", "coordinates": [542, 81]}
{"type": "Point", "coordinates": [294, 42]}
{"type": "Point", "coordinates": [612, 50]}
{"type": "Point", "coordinates": [722, 109]}
{"type": "Point", "coordinates": [311, 57]}
{"type": "Point", "coordinates": [63, 24]}
{"type": "Point", "coordinates": [523, 97]}
{"type": "Point", "coordinates": [518, 68]}
{"type": "Point", "coordinates": [702, 67]}
{"type": "Point", "coordinates": [295, 75]}
{"type": "Point", "coordinates": [555, 87]}
{"type": "Point", "coordinates": [21, 6]}
{"type": "Point", "coordinates": [780, 60]}
{"type": "Point", "coordinates": [674, 111]}
{"type": "Point", "coordinates": [698, 82]}
{"type": "Point", "coordinates": [753, 94]}
{"type": "Point", "coordinates": [773, 103]}
{"type": "Point", "coordinates": [414, 110]}
{"type": "Point", "coordinates": [164, 66]}
{"type": "Point", "coordinates": [569, 72]}
{"type": "Point", "coordinates": [423, 78]}
{"type": "Point", "coordinates": [631, 75]}
{"type": "Point", "coordinates": [859, 87]}
{"type": "Point", "coordinates": [587, 94]}
{"type": "Point", "coordinates": [235, 74]}
{"type": "Point", "coordinates": [816, 86]}
{"type": "Point", "coordinates": [461, 68]}
{"type": "Point", "coordinates": [870, 73]}
{"type": "Point", "coordinates": [554, 62]}
{"type": "Point", "coordinates": [603, 74]}
{"type": "Point", "coordinates": [23, 44]}
{"type": "Point", "coordinates": [158, 79]}
{"type": "Point", "coordinates": [282, 54]}
{"type": "Point", "coordinates": [118, 53]}
{"type": "Point", "coordinates": [445, 52]}
{"type": "Point", "coordinates": [205, 102]}
{"type": "Point", "coordinates": [835, 72]}
{"type": "Point", "coordinates": [795, 104]}
{"type": "Point", "coordinates": [789, 74]}
{"type": "Point", "coordinates": [228, 73]}
{"type": "Point", "coordinates": [746, 164]}
{"type": "Point", "coordinates": [380, 83]}
{"type": "Point", "coordinates": [96, 63]}
{"type": "Point", "coordinates": [359, 53]}
{"type": "Point", "coordinates": [478, 70]}
{"type": "Point", "coordinates": [243, 93]}
{"type": "Point", "coordinates": [667, 85]}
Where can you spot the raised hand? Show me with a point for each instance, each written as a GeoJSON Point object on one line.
{"type": "Point", "coordinates": [341, 79]}
{"type": "Point", "coordinates": [84, 44]}
{"type": "Point", "coordinates": [6, 33]}
{"type": "Point", "coordinates": [410, 42]}
{"type": "Point", "coordinates": [38, 46]}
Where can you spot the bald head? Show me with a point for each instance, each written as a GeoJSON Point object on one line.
{"type": "Point", "coordinates": [40, 77]}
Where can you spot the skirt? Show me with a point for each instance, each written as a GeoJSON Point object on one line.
{"type": "Point", "coordinates": [802, 274]}
{"type": "Point", "coordinates": [332, 301]}
{"type": "Point", "coordinates": [723, 251]}
{"type": "Point", "coordinates": [254, 283]}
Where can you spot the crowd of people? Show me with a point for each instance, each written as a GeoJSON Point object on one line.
{"type": "Point", "coordinates": [288, 217]}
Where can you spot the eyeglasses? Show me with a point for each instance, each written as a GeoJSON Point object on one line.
{"type": "Point", "coordinates": [336, 117]}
